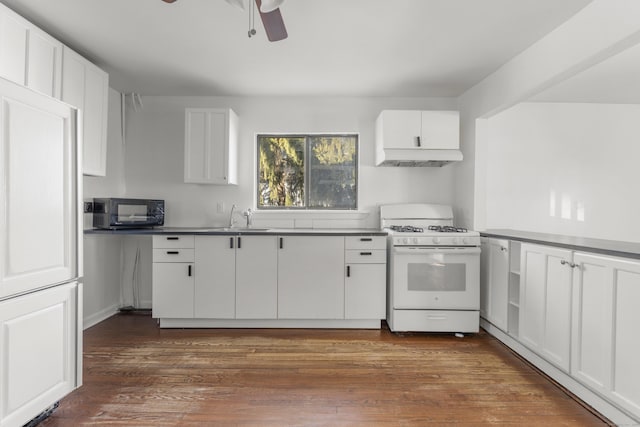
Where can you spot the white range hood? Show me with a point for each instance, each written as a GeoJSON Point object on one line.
{"type": "Point", "coordinates": [417, 138]}
{"type": "Point", "coordinates": [417, 157]}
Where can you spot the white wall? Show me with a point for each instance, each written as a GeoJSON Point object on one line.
{"type": "Point", "coordinates": [568, 169]}
{"type": "Point", "coordinates": [600, 30]}
{"type": "Point", "coordinates": [154, 157]}
{"type": "Point", "coordinates": [102, 253]}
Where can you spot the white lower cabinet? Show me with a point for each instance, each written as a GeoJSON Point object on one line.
{"type": "Point", "coordinates": [212, 278]}
{"type": "Point", "coordinates": [545, 302]}
{"type": "Point", "coordinates": [311, 277]}
{"type": "Point", "coordinates": [494, 281]}
{"type": "Point", "coordinates": [605, 346]}
{"type": "Point", "coordinates": [365, 283]}
{"type": "Point", "coordinates": [41, 351]}
{"type": "Point", "coordinates": [173, 277]}
{"type": "Point", "coordinates": [256, 277]}
{"type": "Point", "coordinates": [215, 277]}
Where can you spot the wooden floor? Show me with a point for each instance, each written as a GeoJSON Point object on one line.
{"type": "Point", "coordinates": [136, 374]}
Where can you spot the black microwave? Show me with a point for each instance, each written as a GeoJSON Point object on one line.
{"type": "Point", "coordinates": [114, 213]}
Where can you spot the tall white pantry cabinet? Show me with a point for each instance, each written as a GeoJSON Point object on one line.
{"type": "Point", "coordinates": [40, 253]}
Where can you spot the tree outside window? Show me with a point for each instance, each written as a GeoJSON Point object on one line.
{"type": "Point", "coordinates": [307, 171]}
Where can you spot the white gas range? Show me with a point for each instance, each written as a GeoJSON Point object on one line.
{"type": "Point", "coordinates": [434, 270]}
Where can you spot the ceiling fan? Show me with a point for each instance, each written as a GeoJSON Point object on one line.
{"type": "Point", "coordinates": [269, 14]}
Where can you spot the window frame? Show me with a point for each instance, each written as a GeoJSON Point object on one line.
{"type": "Point", "coordinates": [307, 169]}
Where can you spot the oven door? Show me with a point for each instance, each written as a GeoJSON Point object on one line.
{"type": "Point", "coordinates": [435, 278]}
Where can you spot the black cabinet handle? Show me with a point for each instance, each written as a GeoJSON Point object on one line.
{"type": "Point", "coordinates": [366, 253]}
{"type": "Point", "coordinates": [173, 252]}
{"type": "Point", "coordinates": [281, 243]}
{"type": "Point", "coordinates": [366, 239]}
{"type": "Point", "coordinates": [348, 271]}
{"type": "Point", "coordinates": [418, 141]}
{"type": "Point", "coordinates": [173, 238]}
{"type": "Point", "coordinates": [189, 270]}
{"type": "Point", "coordinates": [239, 242]}
{"type": "Point", "coordinates": [230, 242]}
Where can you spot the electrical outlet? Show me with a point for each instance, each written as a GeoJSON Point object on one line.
{"type": "Point", "coordinates": [88, 207]}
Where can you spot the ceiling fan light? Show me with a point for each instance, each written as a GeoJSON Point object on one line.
{"type": "Point", "coordinates": [237, 3]}
{"type": "Point", "coordinates": [270, 5]}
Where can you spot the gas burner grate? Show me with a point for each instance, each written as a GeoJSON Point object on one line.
{"type": "Point", "coordinates": [406, 229]}
{"type": "Point", "coordinates": [447, 229]}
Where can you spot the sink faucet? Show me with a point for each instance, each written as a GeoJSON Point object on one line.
{"type": "Point", "coordinates": [233, 209]}
{"type": "Point", "coordinates": [248, 214]}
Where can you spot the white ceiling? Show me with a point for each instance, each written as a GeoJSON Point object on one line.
{"type": "Point", "coordinates": [335, 47]}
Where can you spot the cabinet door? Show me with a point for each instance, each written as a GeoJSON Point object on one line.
{"type": "Point", "coordinates": [311, 277]}
{"type": "Point", "coordinates": [365, 291]}
{"type": "Point", "coordinates": [545, 302]}
{"type": "Point", "coordinates": [38, 191]}
{"type": "Point", "coordinates": [44, 63]}
{"type": "Point", "coordinates": [86, 87]}
{"type": "Point", "coordinates": [173, 290]}
{"type": "Point", "coordinates": [401, 128]}
{"type": "Point", "coordinates": [605, 318]}
{"type": "Point", "coordinates": [40, 352]}
{"type": "Point", "coordinates": [256, 277]}
{"type": "Point", "coordinates": [210, 146]}
{"type": "Point", "coordinates": [499, 283]}
{"type": "Point", "coordinates": [215, 277]}
{"type": "Point", "coordinates": [440, 130]}
{"type": "Point", "coordinates": [14, 32]}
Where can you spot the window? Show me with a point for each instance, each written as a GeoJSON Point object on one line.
{"type": "Point", "coordinates": [307, 171]}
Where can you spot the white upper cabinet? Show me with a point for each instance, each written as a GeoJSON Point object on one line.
{"type": "Point", "coordinates": [210, 149]}
{"type": "Point", "coordinates": [28, 55]}
{"type": "Point", "coordinates": [439, 130]}
{"type": "Point", "coordinates": [86, 87]}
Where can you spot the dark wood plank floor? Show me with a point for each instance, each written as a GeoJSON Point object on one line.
{"type": "Point", "coordinates": [138, 375]}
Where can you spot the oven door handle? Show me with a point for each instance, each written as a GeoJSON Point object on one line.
{"type": "Point", "coordinates": [421, 250]}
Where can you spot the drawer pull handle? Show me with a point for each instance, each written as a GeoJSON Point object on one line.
{"type": "Point", "coordinates": [189, 271]}
{"type": "Point", "coordinates": [173, 252]}
{"type": "Point", "coordinates": [366, 239]}
{"type": "Point", "coordinates": [348, 271]}
{"type": "Point", "coordinates": [230, 242]}
{"type": "Point", "coordinates": [239, 242]}
{"type": "Point", "coordinates": [366, 253]}
{"type": "Point", "coordinates": [173, 238]}
{"type": "Point", "coordinates": [281, 243]}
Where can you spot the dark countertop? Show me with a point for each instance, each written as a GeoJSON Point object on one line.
{"type": "Point", "coordinates": [225, 231]}
{"type": "Point", "coordinates": [605, 247]}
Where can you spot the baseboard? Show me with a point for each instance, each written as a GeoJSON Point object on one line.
{"type": "Point", "coordinates": [98, 317]}
{"type": "Point", "coordinates": [589, 397]}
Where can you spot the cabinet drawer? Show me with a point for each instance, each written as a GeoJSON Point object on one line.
{"type": "Point", "coordinates": [365, 242]}
{"type": "Point", "coordinates": [173, 255]}
{"type": "Point", "coordinates": [181, 241]}
{"type": "Point", "coordinates": [365, 256]}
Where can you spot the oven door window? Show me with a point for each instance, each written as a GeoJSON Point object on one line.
{"type": "Point", "coordinates": [436, 277]}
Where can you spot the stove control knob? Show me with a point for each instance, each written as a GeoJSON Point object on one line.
{"type": "Point", "coordinates": [436, 240]}
{"type": "Point", "coordinates": [405, 241]}
{"type": "Point", "coordinates": [465, 240]}
{"type": "Point", "coordinates": [415, 240]}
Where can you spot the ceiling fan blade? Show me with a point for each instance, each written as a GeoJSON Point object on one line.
{"type": "Point", "coordinates": [273, 24]}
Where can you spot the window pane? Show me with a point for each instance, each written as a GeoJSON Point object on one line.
{"type": "Point", "coordinates": [332, 172]}
{"type": "Point", "coordinates": [281, 171]}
